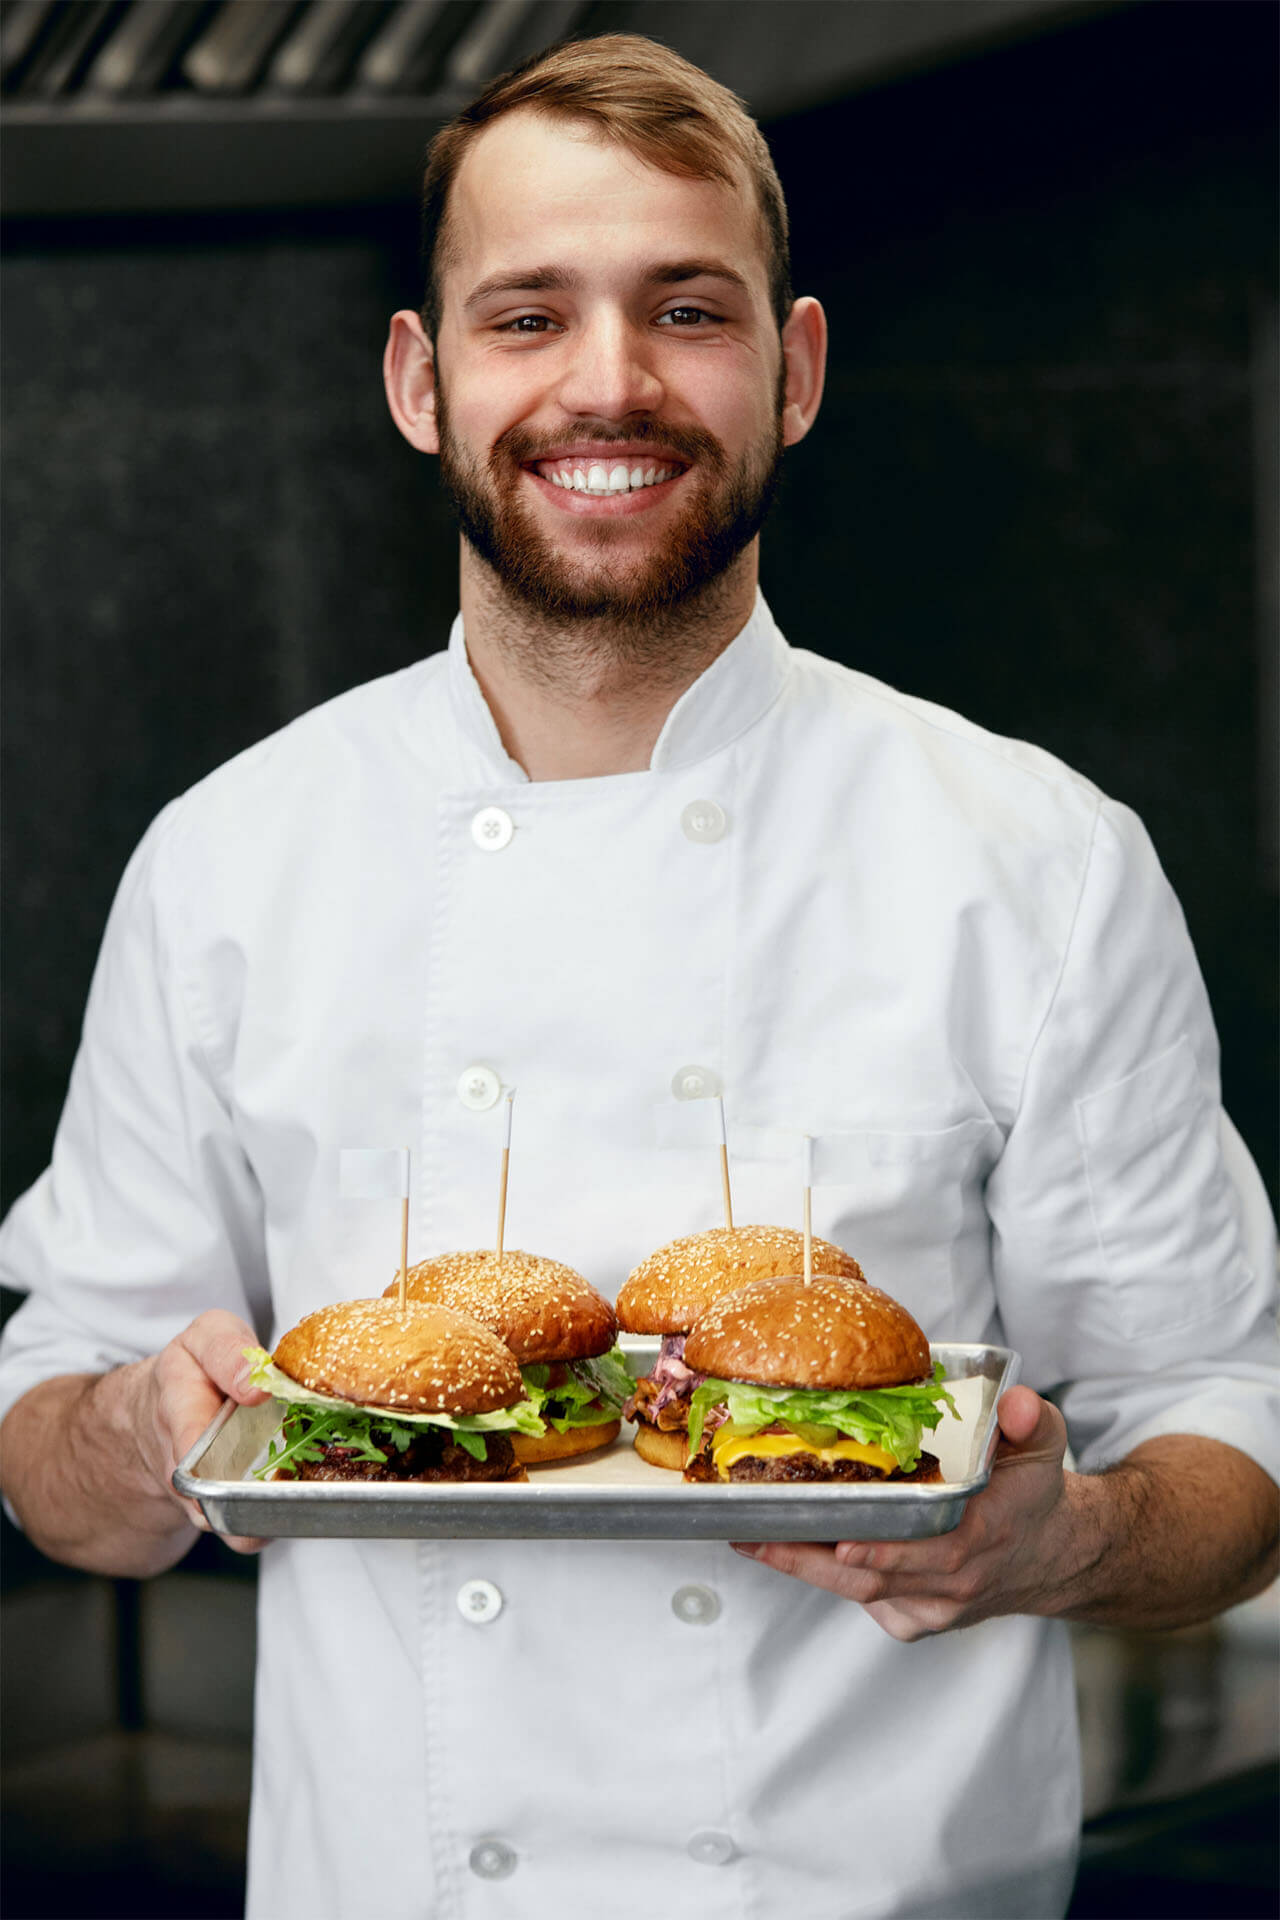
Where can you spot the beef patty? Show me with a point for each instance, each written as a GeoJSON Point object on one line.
{"type": "Point", "coordinates": [805, 1466]}
{"type": "Point", "coordinates": [433, 1456]}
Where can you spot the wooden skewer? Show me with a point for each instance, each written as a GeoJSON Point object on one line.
{"type": "Point", "coordinates": [808, 1208]}
{"type": "Point", "coordinates": [502, 1180]}
{"type": "Point", "coordinates": [404, 1249]}
{"type": "Point", "coordinates": [724, 1165]}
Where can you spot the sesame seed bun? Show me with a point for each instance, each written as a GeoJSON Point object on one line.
{"type": "Point", "coordinates": [536, 1449]}
{"type": "Point", "coordinates": [667, 1292]}
{"type": "Point", "coordinates": [832, 1333]}
{"type": "Point", "coordinates": [427, 1360]}
{"type": "Point", "coordinates": [540, 1309]}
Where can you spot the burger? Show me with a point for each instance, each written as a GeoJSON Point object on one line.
{"type": "Point", "coordinates": [828, 1379]}
{"type": "Point", "coordinates": [561, 1331]}
{"type": "Point", "coordinates": [665, 1295]}
{"type": "Point", "coordinates": [373, 1393]}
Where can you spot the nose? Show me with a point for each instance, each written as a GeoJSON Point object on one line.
{"type": "Point", "coordinates": [611, 371]}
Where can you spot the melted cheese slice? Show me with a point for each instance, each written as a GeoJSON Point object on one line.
{"type": "Point", "coordinates": [727, 1447]}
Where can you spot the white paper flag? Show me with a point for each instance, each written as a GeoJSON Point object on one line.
{"type": "Point", "coordinates": [373, 1173]}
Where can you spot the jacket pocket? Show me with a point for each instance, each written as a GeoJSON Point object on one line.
{"type": "Point", "coordinates": [908, 1205]}
{"type": "Point", "coordinates": [1163, 1209]}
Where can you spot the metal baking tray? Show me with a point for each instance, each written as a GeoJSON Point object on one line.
{"type": "Point", "coordinates": [610, 1495]}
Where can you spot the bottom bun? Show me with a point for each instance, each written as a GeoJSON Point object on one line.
{"type": "Point", "coordinates": [662, 1449]}
{"type": "Point", "coordinates": [536, 1449]}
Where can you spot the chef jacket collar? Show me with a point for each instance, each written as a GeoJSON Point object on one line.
{"type": "Point", "coordinates": [736, 690]}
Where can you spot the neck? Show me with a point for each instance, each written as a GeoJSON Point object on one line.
{"type": "Point", "coordinates": [574, 700]}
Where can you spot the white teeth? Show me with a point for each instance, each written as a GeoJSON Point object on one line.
{"type": "Point", "coordinates": [597, 478]}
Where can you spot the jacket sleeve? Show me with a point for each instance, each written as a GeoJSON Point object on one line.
{"type": "Point", "coordinates": [1133, 1246]}
{"type": "Point", "coordinates": [149, 1212]}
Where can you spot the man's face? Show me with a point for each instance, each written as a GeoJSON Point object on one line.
{"type": "Point", "coordinates": [608, 372]}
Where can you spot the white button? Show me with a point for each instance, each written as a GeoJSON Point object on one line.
{"type": "Point", "coordinates": [711, 1849]}
{"type": "Point", "coordinates": [696, 1606]}
{"type": "Point", "coordinates": [695, 1083]}
{"type": "Point", "coordinates": [492, 829]}
{"type": "Point", "coordinates": [479, 1088]}
{"type": "Point", "coordinates": [492, 1859]}
{"type": "Point", "coordinates": [704, 820]}
{"type": "Point", "coordinates": [479, 1600]}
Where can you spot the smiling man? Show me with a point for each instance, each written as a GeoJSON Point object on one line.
{"type": "Point", "coordinates": [609, 364]}
{"type": "Point", "coordinates": [621, 837]}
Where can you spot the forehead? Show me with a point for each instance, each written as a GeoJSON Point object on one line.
{"type": "Point", "coordinates": [533, 191]}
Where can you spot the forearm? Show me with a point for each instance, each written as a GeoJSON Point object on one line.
{"type": "Point", "coordinates": [73, 1465]}
{"type": "Point", "coordinates": [1179, 1530]}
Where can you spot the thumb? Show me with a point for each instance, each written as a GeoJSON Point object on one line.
{"type": "Point", "coordinates": [1028, 1423]}
{"type": "Point", "coordinates": [217, 1341]}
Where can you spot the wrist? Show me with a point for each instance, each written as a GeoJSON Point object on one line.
{"type": "Point", "coordinates": [1079, 1535]}
{"type": "Point", "coordinates": [124, 1452]}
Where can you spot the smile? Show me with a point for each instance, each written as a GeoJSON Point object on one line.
{"type": "Point", "coordinates": [582, 476]}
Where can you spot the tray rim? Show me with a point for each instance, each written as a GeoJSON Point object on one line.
{"type": "Point", "coordinates": [545, 1493]}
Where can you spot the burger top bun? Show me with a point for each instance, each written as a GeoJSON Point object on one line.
{"type": "Point", "coordinates": [424, 1360]}
{"type": "Point", "coordinates": [539, 1308]}
{"type": "Point", "coordinates": [667, 1292]}
{"type": "Point", "coordinates": [829, 1332]}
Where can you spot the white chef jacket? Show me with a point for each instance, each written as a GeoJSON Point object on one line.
{"type": "Point", "coordinates": [944, 955]}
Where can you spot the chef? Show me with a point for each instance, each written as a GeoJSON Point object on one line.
{"type": "Point", "coordinates": [620, 843]}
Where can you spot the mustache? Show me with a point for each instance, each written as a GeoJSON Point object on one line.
{"type": "Point", "coordinates": [524, 445]}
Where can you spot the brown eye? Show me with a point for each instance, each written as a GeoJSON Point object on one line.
{"type": "Point", "coordinates": [686, 316]}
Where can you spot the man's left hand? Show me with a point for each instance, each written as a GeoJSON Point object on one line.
{"type": "Point", "coordinates": [1017, 1545]}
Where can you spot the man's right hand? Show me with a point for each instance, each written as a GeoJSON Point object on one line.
{"type": "Point", "coordinates": [88, 1459]}
{"type": "Point", "coordinates": [185, 1385]}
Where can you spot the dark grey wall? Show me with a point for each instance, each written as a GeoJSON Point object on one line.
{"type": "Point", "coordinates": [1034, 495]}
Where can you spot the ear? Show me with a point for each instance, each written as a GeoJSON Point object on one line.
{"type": "Point", "coordinates": [409, 375]}
{"type": "Point", "coordinates": [804, 352]}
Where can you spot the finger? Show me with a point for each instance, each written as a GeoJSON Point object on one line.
{"type": "Point", "coordinates": [916, 1605]}
{"type": "Point", "coordinates": [216, 1341]}
{"type": "Point", "coordinates": [935, 1558]}
{"type": "Point", "coordinates": [190, 1417]}
{"type": "Point", "coordinates": [816, 1565]}
{"type": "Point", "coordinates": [238, 1543]}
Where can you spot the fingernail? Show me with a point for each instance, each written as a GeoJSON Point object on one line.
{"type": "Point", "coordinates": [241, 1380]}
{"type": "Point", "coordinates": [748, 1549]}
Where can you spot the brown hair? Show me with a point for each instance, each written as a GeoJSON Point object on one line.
{"type": "Point", "coordinates": [647, 99]}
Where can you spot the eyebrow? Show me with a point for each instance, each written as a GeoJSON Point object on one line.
{"type": "Point", "coordinates": [562, 280]}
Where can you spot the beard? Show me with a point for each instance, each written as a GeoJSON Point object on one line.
{"type": "Point", "coordinates": [726, 509]}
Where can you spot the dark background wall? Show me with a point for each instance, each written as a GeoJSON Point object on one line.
{"type": "Point", "coordinates": [1044, 492]}
{"type": "Point", "coordinates": [1039, 492]}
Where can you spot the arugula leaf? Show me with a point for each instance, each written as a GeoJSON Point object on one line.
{"type": "Point", "coordinates": [889, 1417]}
{"type": "Point", "coordinates": [313, 1420]}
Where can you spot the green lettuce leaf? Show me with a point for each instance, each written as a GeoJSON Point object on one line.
{"type": "Point", "coordinates": [889, 1417]}
{"type": "Point", "coordinates": [313, 1420]}
{"type": "Point", "coordinates": [590, 1397]}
